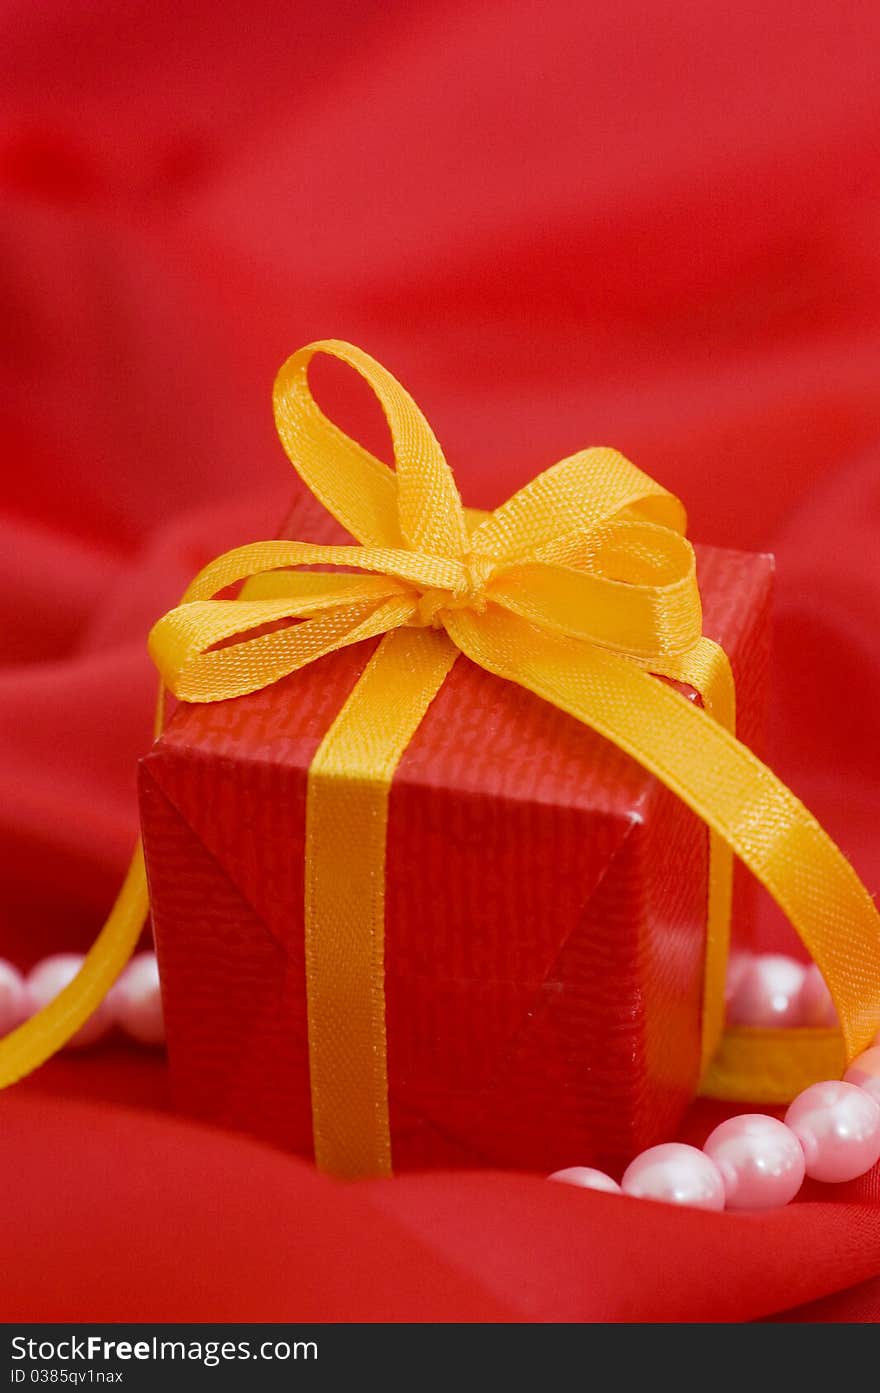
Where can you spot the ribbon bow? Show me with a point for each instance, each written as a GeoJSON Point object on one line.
{"type": "Point", "coordinates": [591, 551]}
{"type": "Point", "coordinates": [581, 588]}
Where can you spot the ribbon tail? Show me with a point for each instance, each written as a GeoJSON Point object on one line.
{"type": "Point", "coordinates": [772, 1066]}
{"type": "Point", "coordinates": [761, 820]}
{"type": "Point", "coordinates": [707, 669]}
{"type": "Point", "coordinates": [195, 671]}
{"type": "Point", "coordinates": [47, 1032]}
{"type": "Point", "coordinates": [26, 1048]}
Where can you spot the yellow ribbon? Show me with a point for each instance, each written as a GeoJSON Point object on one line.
{"type": "Point", "coordinates": [578, 588]}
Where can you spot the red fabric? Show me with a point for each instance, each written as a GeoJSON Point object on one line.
{"type": "Point", "coordinates": [559, 224]}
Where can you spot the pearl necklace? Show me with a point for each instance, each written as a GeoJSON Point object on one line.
{"type": "Point", "coordinates": [831, 1131]}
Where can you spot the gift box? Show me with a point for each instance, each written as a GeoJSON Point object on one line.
{"type": "Point", "coordinates": [545, 908]}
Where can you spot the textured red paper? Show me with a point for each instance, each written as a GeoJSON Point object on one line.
{"type": "Point", "coordinates": [545, 910]}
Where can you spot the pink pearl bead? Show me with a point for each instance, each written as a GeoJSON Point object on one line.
{"type": "Point", "coordinates": [760, 1160]}
{"type": "Point", "coordinates": [814, 1005]}
{"type": "Point", "coordinates": [738, 965]}
{"type": "Point", "coordinates": [838, 1126]}
{"type": "Point", "coordinates": [864, 1072]}
{"type": "Point", "coordinates": [13, 1001]}
{"type": "Point", "coordinates": [767, 993]}
{"type": "Point", "coordinates": [51, 976]}
{"type": "Point", "coordinates": [136, 1000]}
{"type": "Point", "coordinates": [676, 1174]}
{"type": "Point", "coordinates": [587, 1178]}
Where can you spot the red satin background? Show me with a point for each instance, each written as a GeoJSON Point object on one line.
{"type": "Point", "coordinates": [651, 226]}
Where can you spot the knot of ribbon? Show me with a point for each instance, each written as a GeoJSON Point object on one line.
{"type": "Point", "coordinates": [469, 593]}
{"type": "Point", "coordinates": [581, 588]}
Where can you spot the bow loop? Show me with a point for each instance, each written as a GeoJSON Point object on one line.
{"type": "Point", "coordinates": [630, 586]}
{"type": "Point", "coordinates": [418, 506]}
{"type": "Point", "coordinates": [579, 494]}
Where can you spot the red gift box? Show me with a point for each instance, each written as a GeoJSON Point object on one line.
{"type": "Point", "coordinates": [545, 908]}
